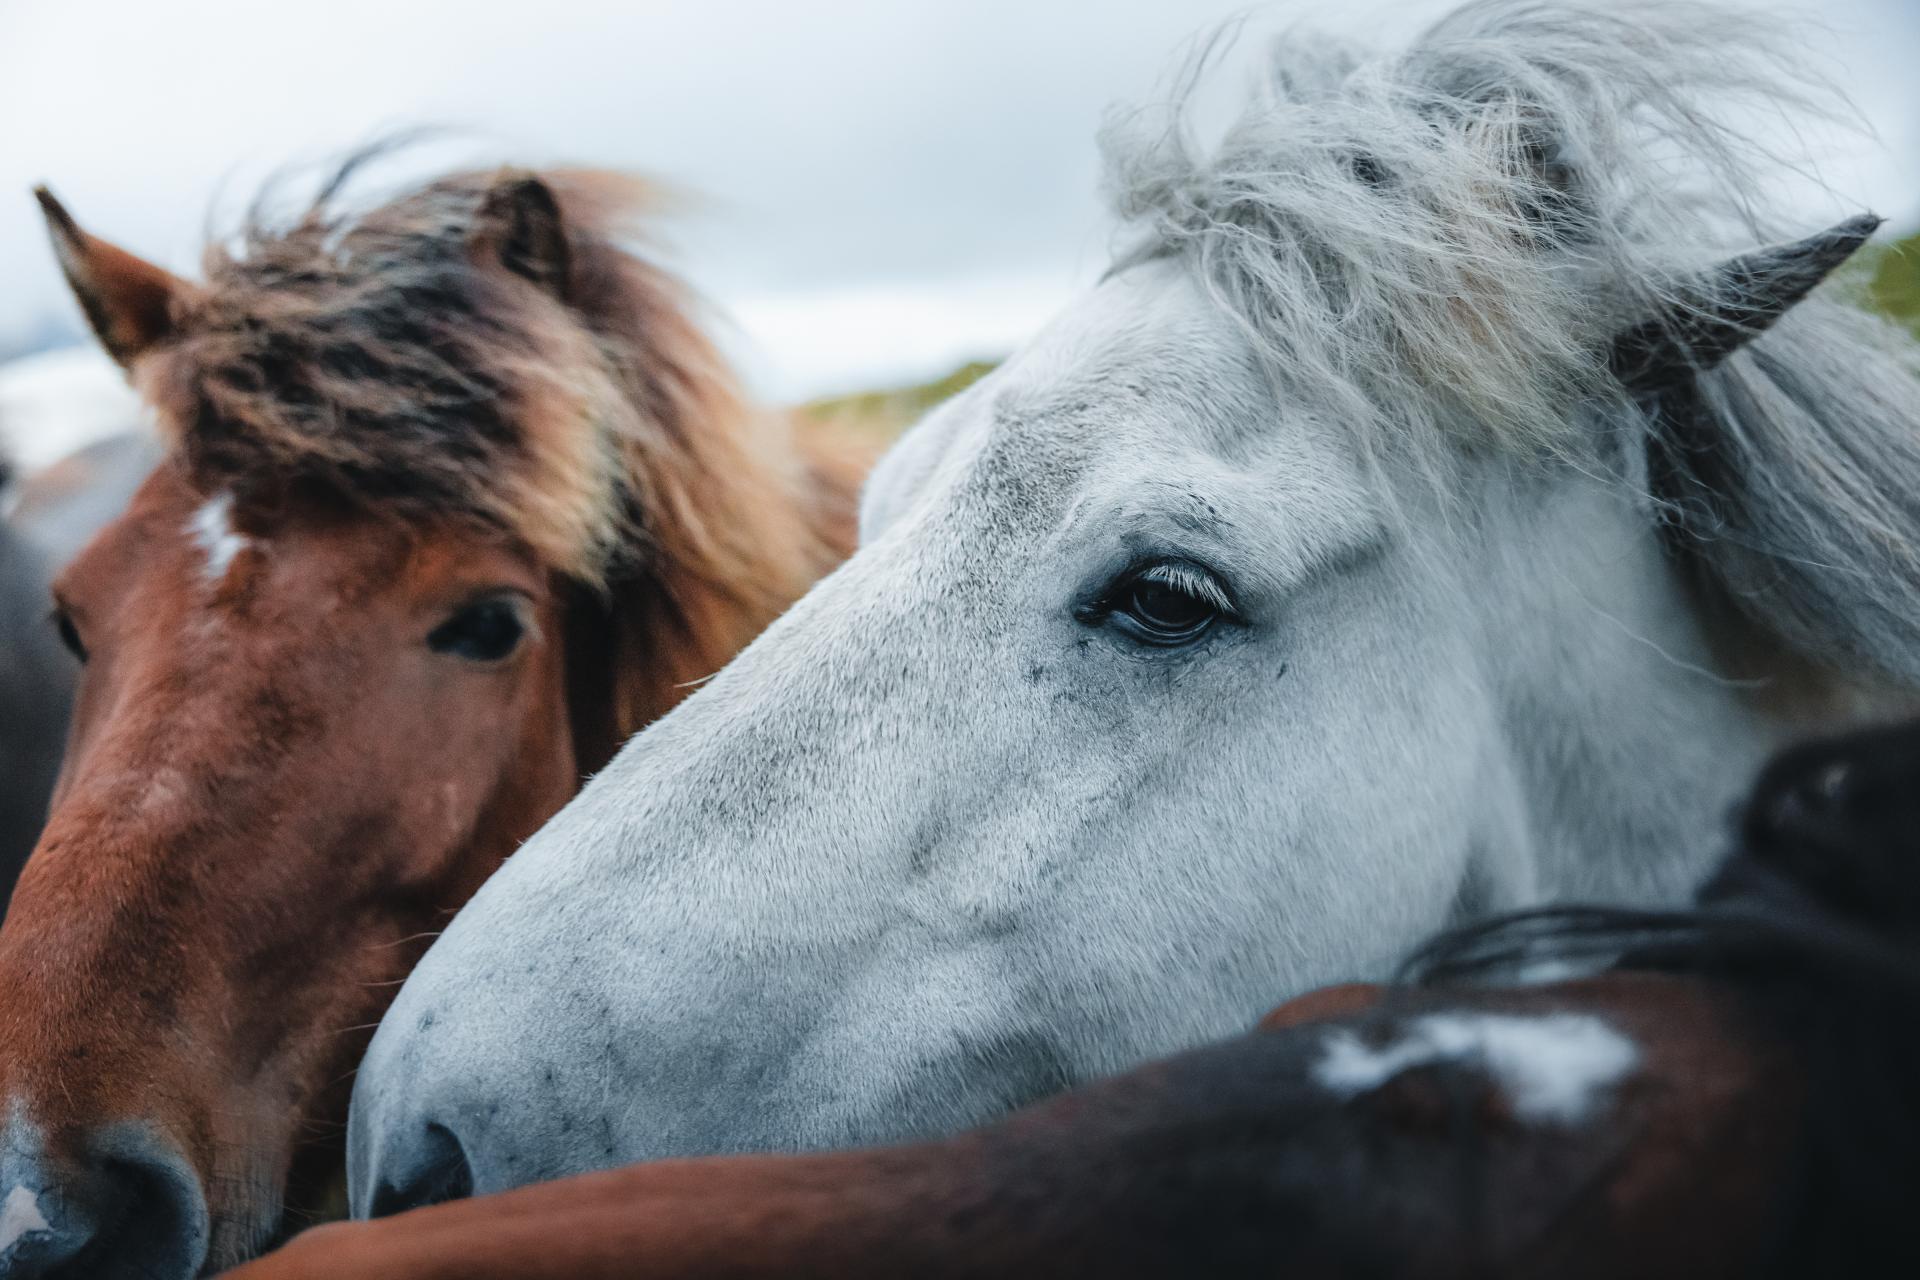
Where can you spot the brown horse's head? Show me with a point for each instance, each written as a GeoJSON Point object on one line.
{"type": "Point", "coordinates": [456, 498]}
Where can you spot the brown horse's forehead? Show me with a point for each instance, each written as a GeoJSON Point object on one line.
{"type": "Point", "coordinates": [200, 550]}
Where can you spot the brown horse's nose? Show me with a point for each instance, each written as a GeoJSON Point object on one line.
{"type": "Point", "coordinates": [129, 1205]}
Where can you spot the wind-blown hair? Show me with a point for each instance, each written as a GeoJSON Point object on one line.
{"type": "Point", "coordinates": [372, 351]}
{"type": "Point", "coordinates": [1433, 248]}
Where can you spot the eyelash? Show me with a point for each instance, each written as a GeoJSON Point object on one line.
{"type": "Point", "coordinates": [1191, 580]}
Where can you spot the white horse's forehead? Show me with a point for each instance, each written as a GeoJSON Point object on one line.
{"type": "Point", "coordinates": [1142, 365]}
{"type": "Point", "coordinates": [1145, 351]}
{"type": "Point", "coordinates": [1138, 417]}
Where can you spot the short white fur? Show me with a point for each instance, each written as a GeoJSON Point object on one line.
{"type": "Point", "coordinates": [1553, 1068]}
{"type": "Point", "coordinates": [211, 528]}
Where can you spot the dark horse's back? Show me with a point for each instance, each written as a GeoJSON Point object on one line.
{"type": "Point", "coordinates": [36, 689]}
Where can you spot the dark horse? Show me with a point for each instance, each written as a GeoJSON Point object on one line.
{"type": "Point", "coordinates": [36, 691]}
{"type": "Point", "coordinates": [1735, 1097]}
{"type": "Point", "coordinates": [456, 497]}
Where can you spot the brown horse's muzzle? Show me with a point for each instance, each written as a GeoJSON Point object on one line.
{"type": "Point", "coordinates": [123, 1203]}
{"type": "Point", "coordinates": [114, 1113]}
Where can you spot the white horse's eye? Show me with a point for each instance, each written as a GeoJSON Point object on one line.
{"type": "Point", "coordinates": [1166, 604]}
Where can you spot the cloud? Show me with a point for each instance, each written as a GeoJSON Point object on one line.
{"type": "Point", "coordinates": [855, 154]}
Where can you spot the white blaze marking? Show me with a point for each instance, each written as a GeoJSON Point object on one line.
{"type": "Point", "coordinates": [211, 529]}
{"type": "Point", "coordinates": [1550, 1067]}
{"type": "Point", "coordinates": [20, 1216]}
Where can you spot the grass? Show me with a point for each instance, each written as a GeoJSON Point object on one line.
{"type": "Point", "coordinates": [879, 416]}
{"type": "Point", "coordinates": [1895, 284]}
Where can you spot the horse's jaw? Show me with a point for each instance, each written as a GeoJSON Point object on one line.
{"type": "Point", "coordinates": [1625, 744]}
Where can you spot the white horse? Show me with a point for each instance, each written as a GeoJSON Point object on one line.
{"type": "Point", "coordinates": [1405, 529]}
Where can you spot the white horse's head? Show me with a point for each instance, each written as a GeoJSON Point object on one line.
{"type": "Point", "coordinates": [1405, 528]}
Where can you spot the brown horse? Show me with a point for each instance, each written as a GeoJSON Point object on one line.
{"type": "Point", "coordinates": [1735, 1098]}
{"type": "Point", "coordinates": [457, 497]}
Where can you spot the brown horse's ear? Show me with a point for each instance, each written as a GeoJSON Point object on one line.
{"type": "Point", "coordinates": [520, 226]}
{"type": "Point", "coordinates": [129, 301]}
{"type": "Point", "coordinates": [1730, 306]}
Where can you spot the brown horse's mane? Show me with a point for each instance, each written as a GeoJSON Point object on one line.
{"type": "Point", "coordinates": [378, 355]}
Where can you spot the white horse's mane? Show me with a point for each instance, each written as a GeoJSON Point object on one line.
{"type": "Point", "coordinates": [1433, 248]}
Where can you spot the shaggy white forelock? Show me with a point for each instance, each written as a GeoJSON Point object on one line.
{"type": "Point", "coordinates": [1462, 206]}
{"type": "Point", "coordinates": [1432, 249]}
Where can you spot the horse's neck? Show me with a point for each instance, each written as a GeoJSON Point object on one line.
{"type": "Point", "coordinates": [790, 517]}
{"type": "Point", "coordinates": [1623, 742]}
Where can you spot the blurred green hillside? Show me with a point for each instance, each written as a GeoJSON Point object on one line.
{"type": "Point", "coordinates": [1895, 284]}
{"type": "Point", "coordinates": [885, 414]}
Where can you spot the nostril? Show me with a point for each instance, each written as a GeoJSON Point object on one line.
{"type": "Point", "coordinates": [127, 1206]}
{"type": "Point", "coordinates": [150, 1212]}
{"type": "Point", "coordinates": [437, 1171]}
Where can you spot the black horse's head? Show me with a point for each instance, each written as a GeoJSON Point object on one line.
{"type": "Point", "coordinates": [1839, 819]}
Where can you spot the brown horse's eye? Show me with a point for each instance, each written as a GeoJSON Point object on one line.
{"type": "Point", "coordinates": [69, 634]}
{"type": "Point", "coordinates": [485, 631]}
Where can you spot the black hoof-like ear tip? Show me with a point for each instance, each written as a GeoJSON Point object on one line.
{"type": "Point", "coordinates": [1863, 225]}
{"type": "Point", "coordinates": [1728, 307]}
{"type": "Point", "coordinates": [1843, 239]}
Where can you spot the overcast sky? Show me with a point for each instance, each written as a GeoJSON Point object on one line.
{"type": "Point", "coordinates": [891, 186]}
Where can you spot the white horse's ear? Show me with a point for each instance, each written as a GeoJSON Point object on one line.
{"type": "Point", "coordinates": [131, 303]}
{"type": "Point", "coordinates": [1709, 319]}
